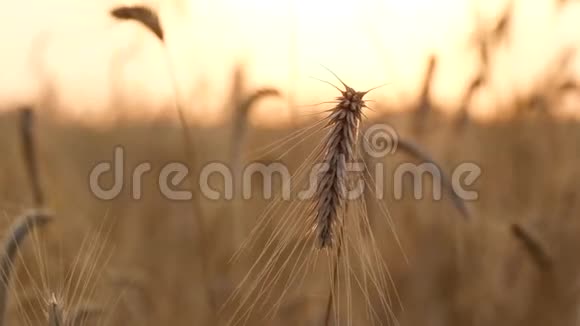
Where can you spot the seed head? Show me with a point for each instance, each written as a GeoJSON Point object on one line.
{"type": "Point", "coordinates": [351, 100]}
{"type": "Point", "coordinates": [141, 14]}
{"type": "Point", "coordinates": [339, 150]}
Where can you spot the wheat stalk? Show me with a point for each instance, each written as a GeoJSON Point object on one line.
{"type": "Point", "coordinates": [329, 226]}
{"type": "Point", "coordinates": [331, 193]}
{"type": "Point", "coordinates": [30, 160]}
{"type": "Point", "coordinates": [241, 114]}
{"type": "Point", "coordinates": [425, 105]}
{"type": "Point", "coordinates": [476, 84]}
{"type": "Point", "coordinates": [23, 226]}
{"type": "Point", "coordinates": [55, 317]}
{"type": "Point", "coordinates": [339, 149]}
{"type": "Point", "coordinates": [484, 42]}
{"type": "Point", "coordinates": [151, 21]}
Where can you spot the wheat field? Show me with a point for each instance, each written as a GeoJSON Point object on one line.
{"type": "Point", "coordinates": [142, 265]}
{"type": "Point", "coordinates": [507, 257]}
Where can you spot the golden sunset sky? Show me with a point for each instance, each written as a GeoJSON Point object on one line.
{"type": "Point", "coordinates": [92, 61]}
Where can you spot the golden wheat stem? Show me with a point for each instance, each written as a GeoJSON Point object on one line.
{"type": "Point", "coordinates": [241, 121]}
{"type": "Point", "coordinates": [331, 195]}
{"type": "Point", "coordinates": [189, 150]}
{"type": "Point", "coordinates": [334, 279]}
{"type": "Point", "coordinates": [150, 20]}
{"type": "Point", "coordinates": [30, 159]}
{"type": "Point", "coordinates": [55, 317]}
{"type": "Point", "coordinates": [240, 126]}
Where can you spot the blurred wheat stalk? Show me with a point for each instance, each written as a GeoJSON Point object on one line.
{"type": "Point", "coordinates": [37, 217]}
{"type": "Point", "coordinates": [150, 20]}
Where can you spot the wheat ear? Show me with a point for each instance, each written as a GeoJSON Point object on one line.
{"type": "Point", "coordinates": [331, 195]}
{"type": "Point", "coordinates": [150, 20]}
{"type": "Point", "coordinates": [338, 151]}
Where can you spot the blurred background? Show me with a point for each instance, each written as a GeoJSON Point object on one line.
{"type": "Point", "coordinates": [90, 60]}
{"type": "Point", "coordinates": [491, 82]}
